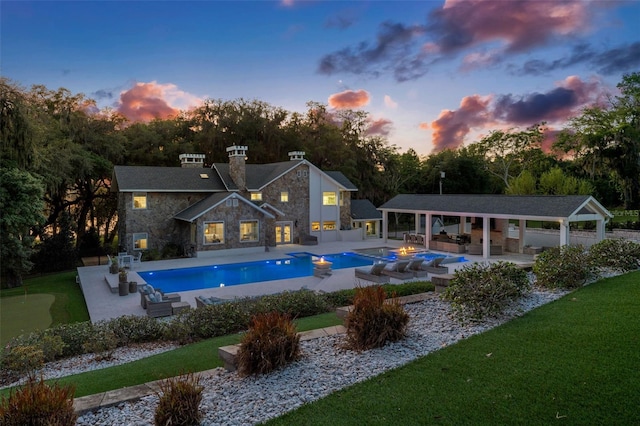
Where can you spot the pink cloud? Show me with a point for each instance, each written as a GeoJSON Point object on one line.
{"type": "Point", "coordinates": [349, 99]}
{"type": "Point", "coordinates": [148, 101]}
{"type": "Point", "coordinates": [555, 106]}
{"type": "Point", "coordinates": [381, 126]}
{"type": "Point", "coordinates": [451, 127]}
{"type": "Point", "coordinates": [519, 24]}
{"type": "Point", "coordinates": [390, 103]}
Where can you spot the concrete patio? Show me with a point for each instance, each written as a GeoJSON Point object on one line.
{"type": "Point", "coordinates": [102, 304]}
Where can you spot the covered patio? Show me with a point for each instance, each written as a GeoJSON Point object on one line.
{"type": "Point", "coordinates": [483, 226]}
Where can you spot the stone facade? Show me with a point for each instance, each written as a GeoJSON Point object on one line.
{"type": "Point", "coordinates": [156, 220]}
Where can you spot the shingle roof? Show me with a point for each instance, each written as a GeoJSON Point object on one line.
{"type": "Point", "coordinates": [257, 175]}
{"type": "Point", "coordinates": [364, 209]}
{"type": "Point", "coordinates": [166, 179]}
{"type": "Point", "coordinates": [342, 180]}
{"type": "Point", "coordinates": [549, 206]}
{"type": "Point", "coordinates": [196, 210]}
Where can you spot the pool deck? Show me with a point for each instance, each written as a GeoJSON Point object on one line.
{"type": "Point", "coordinates": [103, 304]}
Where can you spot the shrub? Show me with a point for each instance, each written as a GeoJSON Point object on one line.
{"type": "Point", "coordinates": [74, 336]}
{"type": "Point", "coordinates": [301, 303]}
{"type": "Point", "coordinates": [482, 290]}
{"type": "Point", "coordinates": [208, 321]}
{"type": "Point", "coordinates": [374, 320]}
{"type": "Point", "coordinates": [566, 267]}
{"type": "Point", "coordinates": [270, 343]}
{"type": "Point", "coordinates": [37, 403]}
{"type": "Point", "coordinates": [130, 329]}
{"type": "Point", "coordinates": [617, 254]}
{"type": "Point", "coordinates": [345, 297]}
{"type": "Point", "coordinates": [103, 342]}
{"type": "Point", "coordinates": [23, 358]}
{"type": "Point", "coordinates": [180, 401]}
{"type": "Point", "coordinates": [52, 347]}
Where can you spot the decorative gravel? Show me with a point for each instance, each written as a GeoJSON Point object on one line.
{"type": "Point", "coordinates": [324, 368]}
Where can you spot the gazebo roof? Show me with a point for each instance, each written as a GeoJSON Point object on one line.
{"type": "Point", "coordinates": [529, 207]}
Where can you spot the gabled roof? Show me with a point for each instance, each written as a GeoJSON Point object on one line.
{"type": "Point", "coordinates": [165, 179]}
{"type": "Point", "coordinates": [342, 180]}
{"type": "Point", "coordinates": [257, 175]}
{"type": "Point", "coordinates": [364, 209]}
{"type": "Point", "coordinates": [532, 207]}
{"type": "Point", "coordinates": [196, 210]}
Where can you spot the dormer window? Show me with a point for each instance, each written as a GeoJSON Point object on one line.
{"type": "Point", "coordinates": [256, 196]}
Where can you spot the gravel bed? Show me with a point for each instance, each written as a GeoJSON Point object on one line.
{"type": "Point", "coordinates": [324, 368]}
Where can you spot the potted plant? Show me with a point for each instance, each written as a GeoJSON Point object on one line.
{"type": "Point", "coordinates": [123, 284]}
{"type": "Point", "coordinates": [114, 268]}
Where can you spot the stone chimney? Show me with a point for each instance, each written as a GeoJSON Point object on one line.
{"type": "Point", "coordinates": [296, 155]}
{"type": "Point", "coordinates": [192, 161]}
{"type": "Point", "coordinates": [237, 157]}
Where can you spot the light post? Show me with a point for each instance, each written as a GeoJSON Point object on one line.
{"type": "Point", "coordinates": [441, 177]}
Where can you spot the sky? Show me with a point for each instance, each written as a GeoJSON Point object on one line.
{"type": "Point", "coordinates": [432, 75]}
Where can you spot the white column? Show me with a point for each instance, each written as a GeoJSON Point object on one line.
{"type": "Point", "coordinates": [564, 233]}
{"type": "Point", "coordinates": [522, 230]}
{"type": "Point", "coordinates": [385, 225]}
{"type": "Point", "coordinates": [417, 223]}
{"type": "Point", "coordinates": [600, 230]}
{"type": "Point", "coordinates": [461, 226]}
{"type": "Point", "coordinates": [486, 237]}
{"type": "Point", "coordinates": [427, 229]}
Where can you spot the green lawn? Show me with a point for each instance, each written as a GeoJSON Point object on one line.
{"type": "Point", "coordinates": [67, 305]}
{"type": "Point", "coordinates": [573, 361]}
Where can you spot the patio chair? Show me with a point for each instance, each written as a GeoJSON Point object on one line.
{"type": "Point", "coordinates": [373, 273]}
{"type": "Point", "coordinates": [398, 270]}
{"type": "Point", "coordinates": [159, 305]}
{"type": "Point", "coordinates": [137, 259]}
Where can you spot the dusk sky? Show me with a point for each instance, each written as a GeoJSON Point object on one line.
{"type": "Point", "coordinates": [432, 74]}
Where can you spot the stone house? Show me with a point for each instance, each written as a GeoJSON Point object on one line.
{"type": "Point", "coordinates": [231, 206]}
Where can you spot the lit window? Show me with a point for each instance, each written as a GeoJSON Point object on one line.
{"type": "Point", "coordinates": [329, 198]}
{"type": "Point", "coordinates": [249, 230]}
{"type": "Point", "coordinates": [140, 241]}
{"type": "Point", "coordinates": [329, 225]}
{"type": "Point", "coordinates": [214, 233]}
{"type": "Point", "coordinates": [315, 226]}
{"type": "Point", "coordinates": [139, 200]}
{"type": "Point", "coordinates": [256, 196]}
{"type": "Point", "coordinates": [284, 197]}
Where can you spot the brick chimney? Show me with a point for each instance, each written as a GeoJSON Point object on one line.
{"type": "Point", "coordinates": [237, 157]}
{"type": "Point", "coordinates": [192, 161]}
{"type": "Point", "coordinates": [296, 155]}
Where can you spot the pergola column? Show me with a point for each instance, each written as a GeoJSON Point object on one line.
{"type": "Point", "coordinates": [462, 225]}
{"type": "Point", "coordinates": [417, 223]}
{"type": "Point", "coordinates": [486, 237]}
{"type": "Point", "coordinates": [600, 230]}
{"type": "Point", "coordinates": [385, 226]}
{"type": "Point", "coordinates": [564, 233]}
{"type": "Point", "coordinates": [522, 230]}
{"type": "Point", "coordinates": [427, 229]}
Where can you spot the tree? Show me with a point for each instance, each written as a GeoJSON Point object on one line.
{"type": "Point", "coordinates": [21, 204]}
{"type": "Point", "coordinates": [508, 152]}
{"type": "Point", "coordinates": [606, 141]}
{"type": "Point", "coordinates": [525, 184]}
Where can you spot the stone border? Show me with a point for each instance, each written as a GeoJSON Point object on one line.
{"type": "Point", "coordinates": [110, 398]}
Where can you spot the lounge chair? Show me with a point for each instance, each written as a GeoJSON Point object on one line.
{"type": "Point", "coordinates": [415, 266]}
{"type": "Point", "coordinates": [208, 301]}
{"type": "Point", "coordinates": [373, 273]}
{"type": "Point", "coordinates": [398, 270]}
{"type": "Point", "coordinates": [433, 266]}
{"type": "Point", "coordinates": [159, 305]}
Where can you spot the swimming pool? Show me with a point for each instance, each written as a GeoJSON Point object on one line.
{"type": "Point", "coordinates": [296, 266]}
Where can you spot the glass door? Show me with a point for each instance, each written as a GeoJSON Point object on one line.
{"type": "Point", "coordinates": [283, 232]}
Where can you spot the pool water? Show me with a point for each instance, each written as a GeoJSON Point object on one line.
{"type": "Point", "coordinates": [212, 276]}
